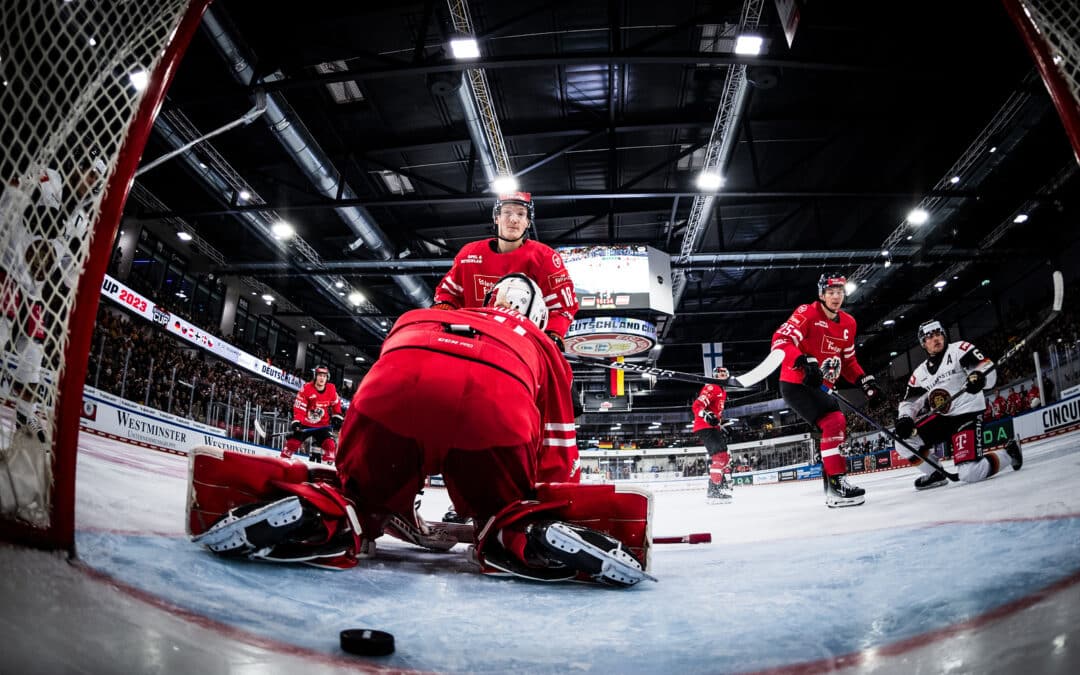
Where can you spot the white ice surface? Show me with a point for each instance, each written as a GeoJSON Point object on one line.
{"type": "Point", "coordinates": [786, 583]}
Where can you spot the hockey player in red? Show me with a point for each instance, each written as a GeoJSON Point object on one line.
{"type": "Point", "coordinates": [708, 410]}
{"type": "Point", "coordinates": [316, 414]}
{"type": "Point", "coordinates": [478, 265]}
{"type": "Point", "coordinates": [818, 342]}
{"type": "Point", "coordinates": [474, 394]}
{"type": "Point", "coordinates": [497, 423]}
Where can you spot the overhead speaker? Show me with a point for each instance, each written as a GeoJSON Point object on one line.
{"type": "Point", "coordinates": [444, 84]}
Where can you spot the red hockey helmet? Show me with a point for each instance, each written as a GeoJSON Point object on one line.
{"type": "Point", "coordinates": [523, 198]}
{"type": "Point", "coordinates": [322, 370]}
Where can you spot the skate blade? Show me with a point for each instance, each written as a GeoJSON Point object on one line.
{"type": "Point", "coordinates": [612, 566]}
{"type": "Point", "coordinates": [931, 486]}
{"type": "Point", "coordinates": [843, 503]}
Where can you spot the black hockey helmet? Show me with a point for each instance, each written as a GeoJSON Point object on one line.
{"type": "Point", "coordinates": [826, 281]}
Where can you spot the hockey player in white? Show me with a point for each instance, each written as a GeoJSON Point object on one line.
{"type": "Point", "coordinates": [951, 384]}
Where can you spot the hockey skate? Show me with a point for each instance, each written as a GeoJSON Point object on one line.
{"type": "Point", "coordinates": [593, 555]}
{"type": "Point", "coordinates": [453, 516]}
{"type": "Point", "coordinates": [840, 493]}
{"type": "Point", "coordinates": [1012, 448]}
{"type": "Point", "coordinates": [31, 425]}
{"type": "Point", "coordinates": [928, 481]}
{"type": "Point", "coordinates": [719, 493]}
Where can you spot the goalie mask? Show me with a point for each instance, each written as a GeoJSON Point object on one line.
{"type": "Point", "coordinates": [521, 294]}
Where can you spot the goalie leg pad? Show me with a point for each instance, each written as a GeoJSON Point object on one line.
{"type": "Point", "coordinates": [221, 480]}
{"type": "Point", "coordinates": [251, 528]}
{"type": "Point", "coordinates": [622, 515]}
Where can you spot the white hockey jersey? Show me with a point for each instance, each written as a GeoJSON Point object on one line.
{"type": "Point", "coordinates": [938, 378]}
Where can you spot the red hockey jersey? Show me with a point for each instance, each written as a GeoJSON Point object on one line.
{"type": "Point", "coordinates": [313, 408]}
{"type": "Point", "coordinates": [711, 398]}
{"type": "Point", "coordinates": [479, 265]}
{"type": "Point", "coordinates": [510, 344]}
{"type": "Point", "coordinates": [831, 341]}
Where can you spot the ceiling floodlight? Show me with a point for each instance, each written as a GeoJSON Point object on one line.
{"type": "Point", "coordinates": [243, 196]}
{"type": "Point", "coordinates": [465, 48]}
{"type": "Point", "coordinates": [750, 45]}
{"type": "Point", "coordinates": [183, 236]}
{"type": "Point", "coordinates": [888, 322]}
{"type": "Point", "coordinates": [954, 180]}
{"type": "Point", "coordinates": [1020, 218]}
{"type": "Point", "coordinates": [850, 287]}
{"type": "Point", "coordinates": [282, 230]}
{"type": "Point", "coordinates": [940, 284]}
{"type": "Point", "coordinates": [319, 333]}
{"type": "Point", "coordinates": [708, 180]}
{"type": "Point", "coordinates": [267, 297]}
{"type": "Point", "coordinates": [339, 284]}
{"type": "Point", "coordinates": [918, 216]}
{"type": "Point", "coordinates": [504, 184]}
{"type": "Point", "coordinates": [356, 298]}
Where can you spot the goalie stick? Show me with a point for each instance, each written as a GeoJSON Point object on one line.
{"type": "Point", "coordinates": [464, 532]}
{"type": "Point", "coordinates": [744, 381]}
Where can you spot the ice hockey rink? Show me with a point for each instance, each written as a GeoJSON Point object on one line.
{"type": "Point", "coordinates": [963, 579]}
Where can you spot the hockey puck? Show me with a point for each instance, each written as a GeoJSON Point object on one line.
{"type": "Point", "coordinates": [367, 642]}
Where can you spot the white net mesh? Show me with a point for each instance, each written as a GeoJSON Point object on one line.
{"type": "Point", "coordinates": [72, 76]}
{"type": "Point", "coordinates": [1058, 22]}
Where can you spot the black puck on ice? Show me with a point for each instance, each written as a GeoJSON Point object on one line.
{"type": "Point", "coordinates": [367, 642]}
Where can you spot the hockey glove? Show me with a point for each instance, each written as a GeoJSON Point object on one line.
{"type": "Point", "coordinates": [710, 419]}
{"type": "Point", "coordinates": [336, 421]}
{"type": "Point", "coordinates": [905, 427]}
{"type": "Point", "coordinates": [296, 426]}
{"type": "Point", "coordinates": [870, 388]}
{"type": "Point", "coordinates": [976, 380]}
{"type": "Point", "coordinates": [556, 339]}
{"type": "Point", "coordinates": [811, 371]}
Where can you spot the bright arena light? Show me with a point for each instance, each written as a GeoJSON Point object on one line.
{"type": "Point", "coordinates": [465, 48]}
{"type": "Point", "coordinates": [749, 45]}
{"type": "Point", "coordinates": [183, 236]}
{"type": "Point", "coordinates": [850, 287]}
{"type": "Point", "coordinates": [1020, 218]}
{"type": "Point", "coordinates": [267, 297]}
{"type": "Point", "coordinates": [356, 298]}
{"type": "Point", "coordinates": [282, 230]}
{"type": "Point", "coordinates": [708, 180]}
{"type": "Point", "coordinates": [918, 216]}
{"type": "Point", "coordinates": [504, 184]}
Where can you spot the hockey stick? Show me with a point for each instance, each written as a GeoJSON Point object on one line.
{"type": "Point", "coordinates": [695, 538]}
{"type": "Point", "coordinates": [745, 381]}
{"type": "Point", "coordinates": [1055, 312]}
{"type": "Point", "coordinates": [260, 432]}
{"type": "Point", "coordinates": [929, 458]}
{"type": "Point", "coordinates": [310, 430]}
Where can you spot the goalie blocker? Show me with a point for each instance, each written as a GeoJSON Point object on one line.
{"type": "Point", "coordinates": [271, 509]}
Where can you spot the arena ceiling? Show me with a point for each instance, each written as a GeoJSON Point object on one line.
{"type": "Point", "coordinates": [607, 112]}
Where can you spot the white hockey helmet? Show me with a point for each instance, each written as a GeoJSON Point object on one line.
{"type": "Point", "coordinates": [928, 328]}
{"type": "Point", "coordinates": [521, 294]}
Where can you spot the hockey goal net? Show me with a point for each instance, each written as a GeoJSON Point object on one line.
{"type": "Point", "coordinates": [81, 85]}
{"type": "Point", "coordinates": [1051, 30]}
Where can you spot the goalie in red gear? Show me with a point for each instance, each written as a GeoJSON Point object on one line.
{"type": "Point", "coordinates": [316, 415]}
{"type": "Point", "coordinates": [481, 397]}
{"type": "Point", "coordinates": [708, 410]}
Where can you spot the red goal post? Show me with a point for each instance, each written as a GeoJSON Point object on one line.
{"type": "Point", "coordinates": [81, 86]}
{"type": "Point", "coordinates": [1051, 30]}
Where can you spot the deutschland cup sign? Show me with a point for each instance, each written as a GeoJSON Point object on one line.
{"type": "Point", "coordinates": [610, 336]}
